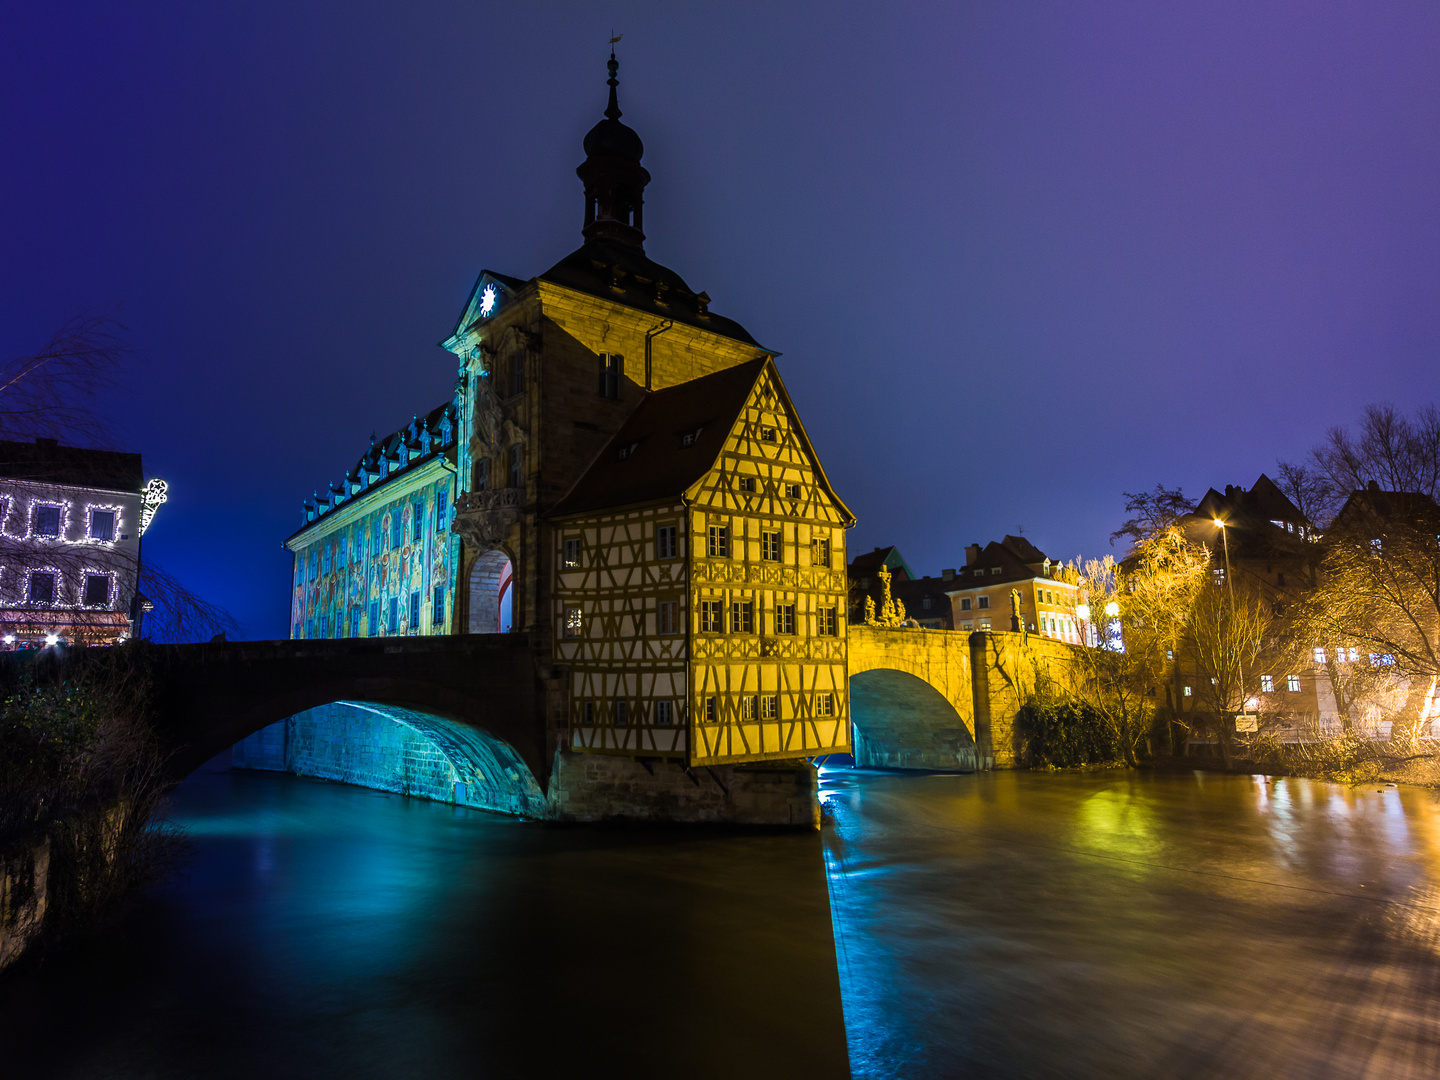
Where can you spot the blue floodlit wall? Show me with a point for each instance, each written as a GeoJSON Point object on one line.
{"type": "Point", "coordinates": [396, 749]}
{"type": "Point", "coordinates": [380, 573]}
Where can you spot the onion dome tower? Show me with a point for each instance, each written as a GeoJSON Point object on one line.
{"type": "Point", "coordinates": [613, 177]}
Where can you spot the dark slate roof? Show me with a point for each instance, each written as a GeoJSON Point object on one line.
{"type": "Point", "coordinates": [1373, 503]}
{"type": "Point", "coordinates": [381, 450]}
{"type": "Point", "coordinates": [624, 274]}
{"type": "Point", "coordinates": [1015, 556]}
{"type": "Point", "coordinates": [868, 565]}
{"type": "Point", "coordinates": [656, 464]}
{"type": "Point", "coordinates": [46, 461]}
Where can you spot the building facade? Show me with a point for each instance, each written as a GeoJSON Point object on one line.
{"type": "Point", "coordinates": [622, 476]}
{"type": "Point", "coordinates": [981, 592]}
{"type": "Point", "coordinates": [70, 527]}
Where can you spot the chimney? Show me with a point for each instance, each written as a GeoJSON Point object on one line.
{"type": "Point", "coordinates": [947, 575]}
{"type": "Point", "coordinates": [1373, 485]}
{"type": "Point", "coordinates": [972, 552]}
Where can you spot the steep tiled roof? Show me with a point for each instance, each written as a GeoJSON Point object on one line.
{"type": "Point", "coordinates": [655, 463]}
{"type": "Point", "coordinates": [46, 461]}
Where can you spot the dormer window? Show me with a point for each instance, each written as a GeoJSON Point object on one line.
{"type": "Point", "coordinates": [690, 437]}
{"type": "Point", "coordinates": [626, 450]}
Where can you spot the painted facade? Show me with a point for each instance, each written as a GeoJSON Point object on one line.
{"type": "Point", "coordinates": [378, 559]}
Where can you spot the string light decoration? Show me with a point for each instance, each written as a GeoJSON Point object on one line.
{"type": "Point", "coordinates": [156, 492]}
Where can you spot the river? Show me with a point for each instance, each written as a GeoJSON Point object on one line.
{"type": "Point", "coordinates": [1099, 924]}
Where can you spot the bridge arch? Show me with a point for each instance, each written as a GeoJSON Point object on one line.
{"type": "Point", "coordinates": [911, 699]}
{"type": "Point", "coordinates": [491, 593]}
{"type": "Point", "coordinates": [394, 747]}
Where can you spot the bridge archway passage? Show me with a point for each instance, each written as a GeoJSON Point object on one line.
{"type": "Point", "coordinates": [902, 722]}
{"type": "Point", "coordinates": [394, 748]}
{"type": "Point", "coordinates": [491, 594]}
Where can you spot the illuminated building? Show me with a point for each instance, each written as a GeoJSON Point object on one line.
{"type": "Point", "coordinates": [70, 525]}
{"type": "Point", "coordinates": [980, 595]}
{"type": "Point", "coordinates": [622, 476]}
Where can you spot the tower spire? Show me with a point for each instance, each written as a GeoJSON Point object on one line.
{"type": "Point", "coordinates": [613, 109]}
{"type": "Point", "coordinates": [613, 176]}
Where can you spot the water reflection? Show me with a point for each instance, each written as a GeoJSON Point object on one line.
{"type": "Point", "coordinates": [1130, 925]}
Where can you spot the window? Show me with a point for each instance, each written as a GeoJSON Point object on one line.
{"type": "Point", "coordinates": [965, 603]}
{"type": "Point", "coordinates": [824, 704]}
{"type": "Point", "coordinates": [742, 617]}
{"type": "Point", "coordinates": [925, 603]}
{"type": "Point", "coordinates": [820, 552]}
{"type": "Point", "coordinates": [97, 590]}
{"type": "Point", "coordinates": [417, 520]}
{"type": "Point", "coordinates": [1279, 579]}
{"type": "Point", "coordinates": [770, 546]}
{"type": "Point", "coordinates": [984, 624]}
{"type": "Point", "coordinates": [967, 624]}
{"type": "Point", "coordinates": [47, 521]}
{"type": "Point", "coordinates": [571, 559]}
{"type": "Point", "coordinates": [42, 587]}
{"type": "Point", "coordinates": [667, 618]}
{"type": "Point", "coordinates": [710, 710]}
{"type": "Point", "coordinates": [1188, 692]}
{"type": "Point", "coordinates": [340, 554]}
{"type": "Point", "coordinates": [784, 618]}
{"type": "Point", "coordinates": [621, 709]}
{"type": "Point", "coordinates": [325, 560]}
{"type": "Point", "coordinates": [1267, 684]}
{"type": "Point", "coordinates": [375, 547]}
{"type": "Point", "coordinates": [747, 483]}
{"type": "Point", "coordinates": [1381, 659]}
{"type": "Point", "coordinates": [437, 608]}
{"type": "Point", "coordinates": [996, 571]}
{"type": "Point", "coordinates": [749, 707]}
{"type": "Point", "coordinates": [517, 373]}
{"type": "Point", "coordinates": [1352, 655]}
{"type": "Point", "coordinates": [1319, 654]}
{"type": "Point", "coordinates": [516, 466]}
{"type": "Point", "coordinates": [1217, 575]}
{"type": "Point", "coordinates": [769, 707]}
{"type": "Point", "coordinates": [711, 617]}
{"type": "Point", "coordinates": [625, 451]}
{"type": "Point", "coordinates": [589, 714]}
{"type": "Point", "coordinates": [1376, 546]}
{"type": "Point", "coordinates": [102, 525]}
{"type": "Point", "coordinates": [719, 541]}
{"type": "Point", "coordinates": [612, 367]}
{"type": "Point", "coordinates": [665, 542]}
{"type": "Point", "coordinates": [393, 625]}
{"type": "Point", "coordinates": [768, 434]}
{"type": "Point", "coordinates": [792, 491]}
{"type": "Point", "coordinates": [688, 439]}
{"type": "Point", "coordinates": [1292, 683]}
{"type": "Point", "coordinates": [829, 622]}
{"type": "Point", "coordinates": [374, 617]}
{"type": "Point", "coordinates": [355, 621]}
{"type": "Point", "coordinates": [482, 475]}
{"type": "Point", "coordinates": [574, 622]}
{"type": "Point", "coordinates": [441, 505]}
{"type": "Point", "coordinates": [397, 528]}
{"type": "Point", "coordinates": [984, 602]}
{"type": "Point", "coordinates": [664, 713]}
{"type": "Point", "coordinates": [415, 611]}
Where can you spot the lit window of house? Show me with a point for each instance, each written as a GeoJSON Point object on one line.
{"type": "Point", "coordinates": [1189, 691]}
{"type": "Point", "coordinates": [984, 624]}
{"type": "Point", "coordinates": [1292, 683]}
{"type": "Point", "coordinates": [1319, 654]}
{"type": "Point", "coordinates": [1267, 684]}
{"type": "Point", "coordinates": [574, 622]}
{"type": "Point", "coordinates": [572, 553]}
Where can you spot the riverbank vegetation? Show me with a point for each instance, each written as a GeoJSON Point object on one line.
{"type": "Point", "coordinates": [82, 775]}
{"type": "Point", "coordinates": [1184, 645]}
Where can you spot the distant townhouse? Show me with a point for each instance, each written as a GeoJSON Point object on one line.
{"type": "Point", "coordinates": [980, 593]}
{"type": "Point", "coordinates": [70, 527]}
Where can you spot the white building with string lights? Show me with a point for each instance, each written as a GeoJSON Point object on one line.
{"type": "Point", "coordinates": [70, 526]}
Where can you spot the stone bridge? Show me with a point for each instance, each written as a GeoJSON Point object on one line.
{"type": "Point", "coordinates": [478, 698]}
{"type": "Point", "coordinates": [944, 699]}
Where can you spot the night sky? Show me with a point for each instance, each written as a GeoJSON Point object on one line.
{"type": "Point", "coordinates": [1018, 258]}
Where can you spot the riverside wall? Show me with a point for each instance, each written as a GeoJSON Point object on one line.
{"type": "Point", "coordinates": [23, 880]}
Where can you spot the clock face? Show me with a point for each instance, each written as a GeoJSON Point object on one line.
{"type": "Point", "coordinates": [488, 299]}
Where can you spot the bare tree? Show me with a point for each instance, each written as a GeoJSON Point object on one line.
{"type": "Point", "coordinates": [1151, 513]}
{"type": "Point", "coordinates": [1225, 633]}
{"type": "Point", "coordinates": [53, 393]}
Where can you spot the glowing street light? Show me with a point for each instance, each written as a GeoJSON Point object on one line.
{"type": "Point", "coordinates": [1083, 612]}
{"type": "Point", "coordinates": [1112, 609]}
{"type": "Point", "coordinates": [52, 639]}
